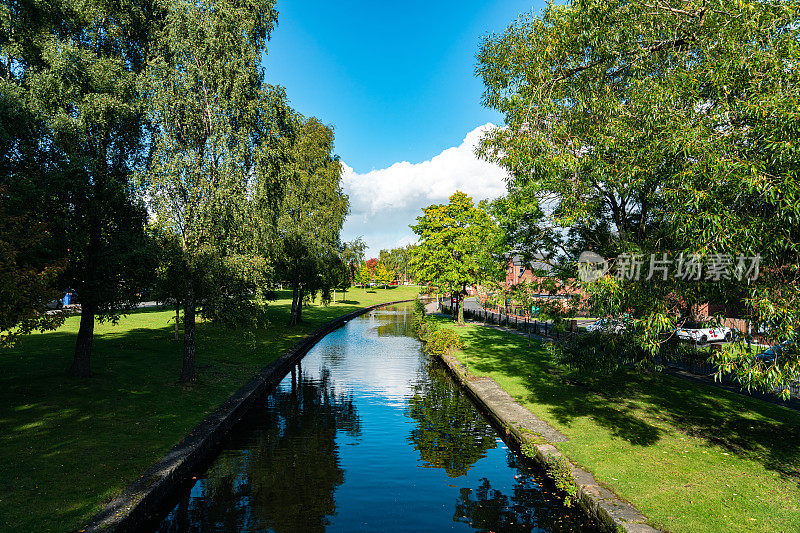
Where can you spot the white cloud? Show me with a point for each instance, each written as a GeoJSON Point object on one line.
{"type": "Point", "coordinates": [384, 202]}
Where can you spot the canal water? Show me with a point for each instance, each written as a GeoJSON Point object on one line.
{"type": "Point", "coordinates": [367, 434]}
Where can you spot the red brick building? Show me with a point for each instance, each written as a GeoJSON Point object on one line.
{"type": "Point", "coordinates": [536, 272]}
{"type": "Point", "coordinates": [518, 272]}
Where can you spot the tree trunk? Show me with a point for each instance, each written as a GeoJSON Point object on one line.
{"type": "Point", "coordinates": [83, 345]}
{"type": "Point", "coordinates": [293, 314]}
{"type": "Point", "coordinates": [300, 304]}
{"type": "Point", "coordinates": [461, 296]}
{"type": "Point", "coordinates": [88, 290]}
{"type": "Point", "coordinates": [187, 372]}
{"type": "Point", "coordinates": [177, 318]}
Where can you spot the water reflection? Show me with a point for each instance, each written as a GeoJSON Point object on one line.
{"type": "Point", "coordinates": [394, 323]}
{"type": "Point", "coordinates": [527, 508]}
{"type": "Point", "coordinates": [367, 436]}
{"type": "Point", "coordinates": [449, 432]}
{"type": "Point", "coordinates": [284, 476]}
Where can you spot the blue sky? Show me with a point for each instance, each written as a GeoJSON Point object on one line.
{"type": "Point", "coordinates": [396, 80]}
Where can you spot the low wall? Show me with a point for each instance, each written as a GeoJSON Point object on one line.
{"type": "Point", "coordinates": [528, 431]}
{"type": "Point", "coordinates": [144, 497]}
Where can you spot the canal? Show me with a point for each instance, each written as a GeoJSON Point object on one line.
{"type": "Point", "coordinates": [367, 434]}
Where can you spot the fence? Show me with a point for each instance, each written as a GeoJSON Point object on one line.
{"type": "Point", "coordinates": [519, 323]}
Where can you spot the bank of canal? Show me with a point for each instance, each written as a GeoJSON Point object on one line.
{"type": "Point", "coordinates": [368, 434]}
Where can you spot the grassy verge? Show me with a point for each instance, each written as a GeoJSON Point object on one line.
{"type": "Point", "coordinates": [689, 456]}
{"type": "Point", "coordinates": [68, 446]}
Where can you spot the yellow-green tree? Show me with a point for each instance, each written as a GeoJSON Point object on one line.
{"type": "Point", "coordinates": [383, 274]}
{"type": "Point", "coordinates": [457, 246]}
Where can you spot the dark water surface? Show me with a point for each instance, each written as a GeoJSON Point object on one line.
{"type": "Point", "coordinates": [368, 435]}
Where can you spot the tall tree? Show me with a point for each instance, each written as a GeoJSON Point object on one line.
{"type": "Point", "coordinates": [311, 215]}
{"type": "Point", "coordinates": [654, 127]}
{"type": "Point", "coordinates": [212, 120]}
{"type": "Point", "coordinates": [457, 246]}
{"type": "Point", "coordinates": [75, 66]}
{"type": "Point", "coordinates": [396, 260]}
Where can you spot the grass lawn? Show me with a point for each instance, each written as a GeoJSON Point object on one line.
{"type": "Point", "coordinates": [69, 446]}
{"type": "Point", "coordinates": [690, 457]}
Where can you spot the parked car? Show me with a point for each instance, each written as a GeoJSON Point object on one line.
{"type": "Point", "coordinates": [606, 325]}
{"type": "Point", "coordinates": [702, 333]}
{"type": "Point", "coordinates": [777, 350]}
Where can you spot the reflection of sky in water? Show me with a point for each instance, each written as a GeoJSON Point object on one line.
{"type": "Point", "coordinates": [374, 366]}
{"type": "Point", "coordinates": [367, 437]}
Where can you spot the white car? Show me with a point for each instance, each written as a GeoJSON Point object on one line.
{"type": "Point", "coordinates": [702, 334]}
{"type": "Point", "coordinates": [606, 325]}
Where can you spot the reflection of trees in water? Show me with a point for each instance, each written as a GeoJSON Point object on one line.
{"type": "Point", "coordinates": [526, 509]}
{"type": "Point", "coordinates": [334, 354]}
{"type": "Point", "coordinates": [286, 476]}
{"type": "Point", "coordinates": [450, 433]}
{"type": "Point", "coordinates": [394, 323]}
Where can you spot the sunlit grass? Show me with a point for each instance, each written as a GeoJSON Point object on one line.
{"type": "Point", "coordinates": [69, 446]}
{"type": "Point", "coordinates": [689, 456]}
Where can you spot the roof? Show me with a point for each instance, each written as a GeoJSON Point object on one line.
{"type": "Point", "coordinates": [536, 264]}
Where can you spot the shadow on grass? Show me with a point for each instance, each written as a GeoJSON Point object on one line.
{"type": "Point", "coordinates": [128, 414]}
{"type": "Point", "coordinates": [624, 404]}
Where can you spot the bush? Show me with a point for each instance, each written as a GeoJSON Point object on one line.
{"type": "Point", "coordinates": [598, 353]}
{"type": "Point", "coordinates": [441, 341]}
{"type": "Point", "coordinates": [419, 310]}
{"type": "Point", "coordinates": [425, 328]}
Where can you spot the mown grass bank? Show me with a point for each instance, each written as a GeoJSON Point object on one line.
{"type": "Point", "coordinates": [69, 446]}
{"type": "Point", "coordinates": [689, 456]}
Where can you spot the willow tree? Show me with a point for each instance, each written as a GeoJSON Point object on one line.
{"type": "Point", "coordinates": [311, 214]}
{"type": "Point", "coordinates": [352, 253]}
{"type": "Point", "coordinates": [211, 117]}
{"type": "Point", "coordinates": [650, 127]}
{"type": "Point", "coordinates": [457, 246]}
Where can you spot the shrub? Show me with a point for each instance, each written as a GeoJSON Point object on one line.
{"type": "Point", "coordinates": [419, 310]}
{"type": "Point", "coordinates": [440, 341]}
{"type": "Point", "coordinates": [425, 328]}
{"type": "Point", "coordinates": [598, 353]}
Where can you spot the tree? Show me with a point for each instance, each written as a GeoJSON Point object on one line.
{"type": "Point", "coordinates": [457, 241]}
{"type": "Point", "coordinates": [371, 264]}
{"type": "Point", "coordinates": [383, 274]}
{"type": "Point", "coordinates": [31, 262]}
{"type": "Point", "coordinates": [211, 119]}
{"type": "Point", "coordinates": [353, 255]}
{"type": "Point", "coordinates": [71, 70]}
{"type": "Point", "coordinates": [654, 127]}
{"type": "Point", "coordinates": [363, 276]}
{"type": "Point", "coordinates": [311, 215]}
{"type": "Point", "coordinates": [340, 279]}
{"type": "Point", "coordinates": [396, 260]}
